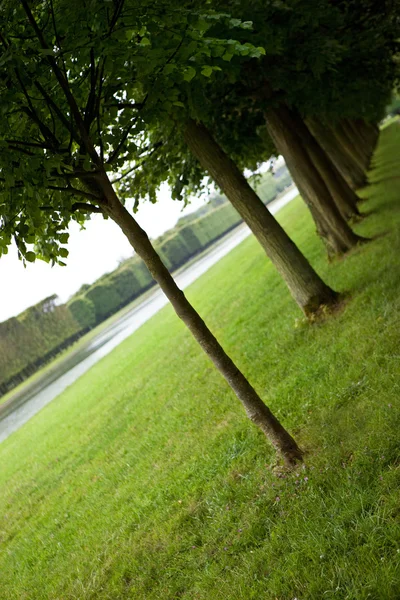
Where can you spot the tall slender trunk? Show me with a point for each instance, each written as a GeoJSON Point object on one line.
{"type": "Point", "coordinates": [343, 195]}
{"type": "Point", "coordinates": [331, 226]}
{"type": "Point", "coordinates": [364, 135]}
{"type": "Point", "coordinates": [255, 408]}
{"type": "Point", "coordinates": [306, 287]}
{"type": "Point", "coordinates": [347, 137]}
{"type": "Point", "coordinates": [342, 159]}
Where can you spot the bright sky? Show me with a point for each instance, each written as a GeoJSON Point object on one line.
{"type": "Point", "coordinates": [92, 252]}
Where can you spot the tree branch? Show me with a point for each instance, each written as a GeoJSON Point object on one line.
{"type": "Point", "coordinates": [51, 104]}
{"type": "Point", "coordinates": [4, 41]}
{"type": "Point", "coordinates": [31, 112]}
{"type": "Point", "coordinates": [117, 151]}
{"type": "Point", "coordinates": [89, 208]}
{"type": "Point", "coordinates": [175, 52]}
{"type": "Point", "coordinates": [97, 109]}
{"type": "Point", "coordinates": [28, 144]}
{"type": "Point", "coordinates": [91, 101]}
{"type": "Point", "coordinates": [116, 15]}
{"type": "Point", "coordinates": [71, 190]}
{"type": "Point", "coordinates": [22, 150]}
{"type": "Point", "coordinates": [57, 37]}
{"type": "Point", "coordinates": [121, 105]}
{"type": "Point", "coordinates": [63, 82]}
{"type": "Point", "coordinates": [129, 171]}
{"type": "Point", "coordinates": [76, 174]}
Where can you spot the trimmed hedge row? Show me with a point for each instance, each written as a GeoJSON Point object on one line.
{"type": "Point", "coordinates": [110, 293]}
{"type": "Point", "coordinates": [37, 332]}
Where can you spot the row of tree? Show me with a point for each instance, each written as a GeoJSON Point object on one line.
{"type": "Point", "coordinates": [33, 338]}
{"type": "Point", "coordinates": [38, 334]}
{"type": "Point", "coordinates": [143, 94]}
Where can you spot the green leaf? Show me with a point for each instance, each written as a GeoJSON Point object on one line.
{"type": "Point", "coordinates": [30, 256]}
{"type": "Point", "coordinates": [207, 71]}
{"type": "Point", "coordinates": [189, 73]}
{"type": "Point", "coordinates": [202, 25]}
{"type": "Point", "coordinates": [169, 68]}
{"type": "Point", "coordinates": [63, 252]}
{"type": "Point", "coordinates": [64, 238]}
{"type": "Point", "coordinates": [145, 42]}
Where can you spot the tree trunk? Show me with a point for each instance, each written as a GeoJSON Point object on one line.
{"type": "Point", "coordinates": [356, 145]}
{"type": "Point", "coordinates": [337, 152]}
{"type": "Point", "coordinates": [344, 197]}
{"type": "Point", "coordinates": [365, 137]}
{"type": "Point", "coordinates": [306, 287]}
{"type": "Point", "coordinates": [331, 226]}
{"type": "Point", "coordinates": [255, 408]}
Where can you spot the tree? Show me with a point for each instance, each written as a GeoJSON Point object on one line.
{"type": "Point", "coordinates": [30, 339]}
{"type": "Point", "coordinates": [83, 311]}
{"type": "Point", "coordinates": [320, 184]}
{"type": "Point", "coordinates": [62, 133]}
{"type": "Point", "coordinates": [125, 284]}
{"type": "Point", "coordinates": [316, 64]}
{"type": "Point", "coordinates": [341, 155]}
{"type": "Point", "coordinates": [105, 299]}
{"type": "Point", "coordinates": [309, 291]}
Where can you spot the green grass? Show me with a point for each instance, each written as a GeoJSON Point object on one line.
{"type": "Point", "coordinates": [145, 480]}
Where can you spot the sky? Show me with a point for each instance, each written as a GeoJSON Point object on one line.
{"type": "Point", "coordinates": [92, 252]}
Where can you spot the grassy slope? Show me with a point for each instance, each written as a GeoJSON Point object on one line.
{"type": "Point", "coordinates": [145, 480]}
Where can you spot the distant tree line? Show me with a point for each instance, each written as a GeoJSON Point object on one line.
{"type": "Point", "coordinates": [32, 338]}
{"type": "Point", "coordinates": [37, 335]}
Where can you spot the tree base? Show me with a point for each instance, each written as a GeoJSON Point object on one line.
{"type": "Point", "coordinates": [292, 458]}
{"type": "Point", "coordinates": [317, 305]}
{"type": "Point", "coordinates": [326, 311]}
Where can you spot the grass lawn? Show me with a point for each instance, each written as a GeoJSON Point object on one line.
{"type": "Point", "coordinates": [145, 480]}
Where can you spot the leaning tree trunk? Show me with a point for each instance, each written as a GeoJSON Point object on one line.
{"type": "Point", "coordinates": [306, 287]}
{"type": "Point", "coordinates": [359, 142]}
{"type": "Point", "coordinates": [255, 408]}
{"type": "Point", "coordinates": [343, 195]}
{"type": "Point", "coordinates": [364, 135]}
{"type": "Point", "coordinates": [343, 160]}
{"type": "Point", "coordinates": [346, 138]}
{"type": "Point", "coordinates": [331, 226]}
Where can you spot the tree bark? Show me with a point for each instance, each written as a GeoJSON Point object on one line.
{"type": "Point", "coordinates": [255, 408]}
{"type": "Point", "coordinates": [352, 143]}
{"type": "Point", "coordinates": [331, 226]}
{"type": "Point", "coordinates": [306, 287]}
{"type": "Point", "coordinates": [365, 137]}
{"type": "Point", "coordinates": [343, 160]}
{"type": "Point", "coordinates": [344, 197]}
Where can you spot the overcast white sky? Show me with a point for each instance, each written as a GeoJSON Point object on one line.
{"type": "Point", "coordinates": [92, 252]}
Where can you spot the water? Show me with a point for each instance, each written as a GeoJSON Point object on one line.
{"type": "Point", "coordinates": [25, 404]}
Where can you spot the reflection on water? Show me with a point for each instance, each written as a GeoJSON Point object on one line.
{"type": "Point", "coordinates": [25, 404]}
